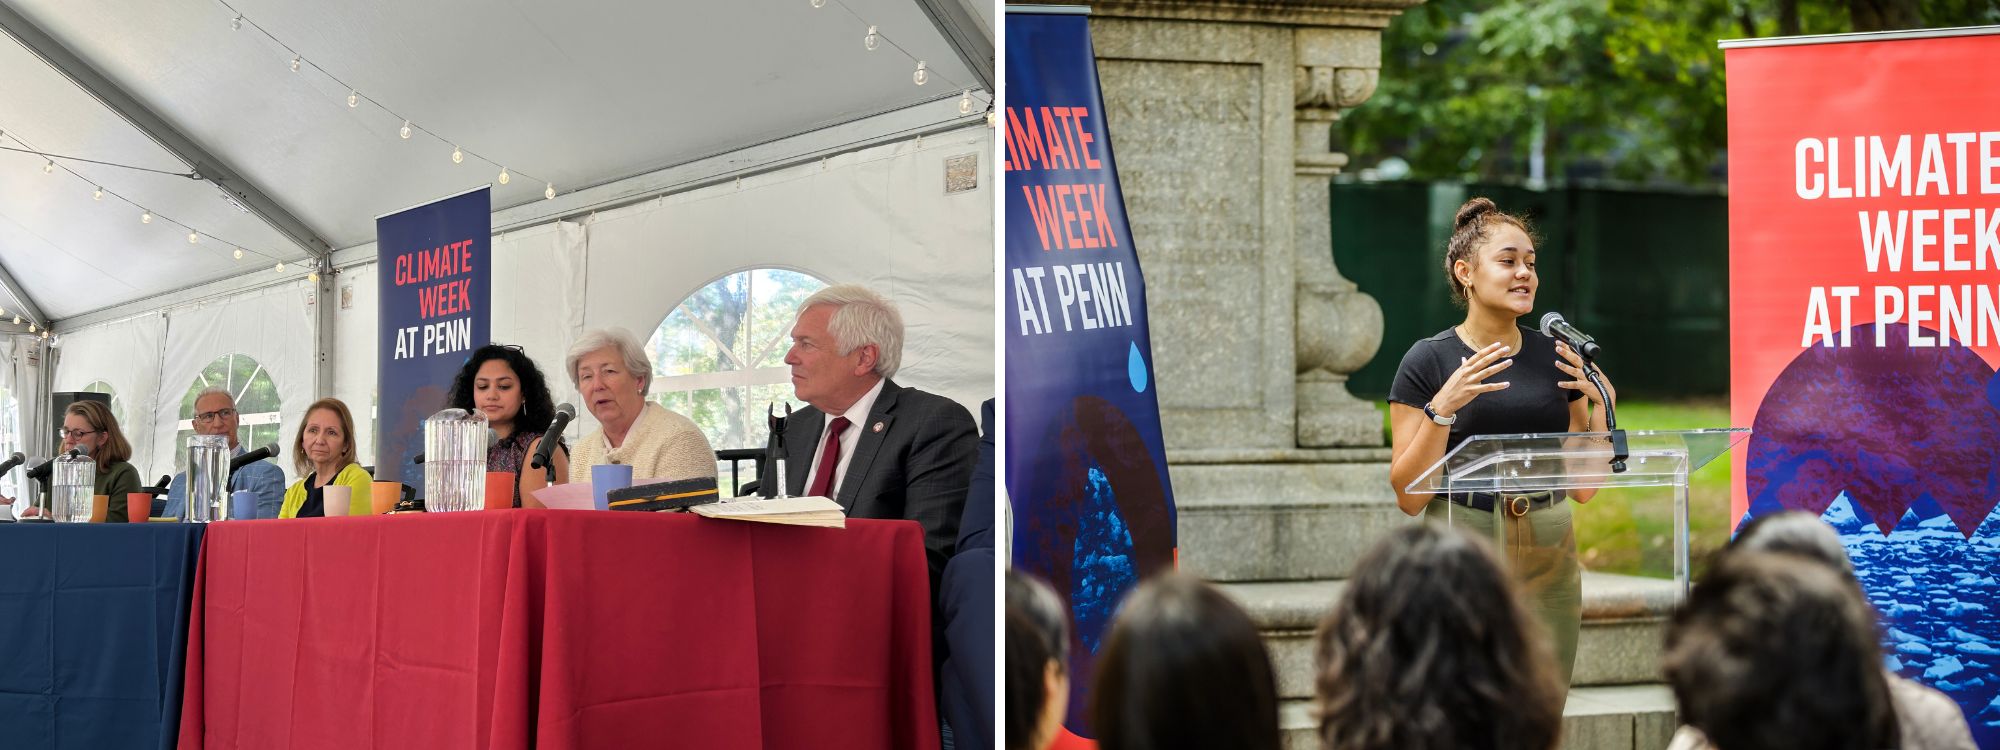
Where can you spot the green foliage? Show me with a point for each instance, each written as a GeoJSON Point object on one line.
{"type": "Point", "coordinates": [1628, 89]}
{"type": "Point", "coordinates": [739, 323]}
{"type": "Point", "coordinates": [255, 394]}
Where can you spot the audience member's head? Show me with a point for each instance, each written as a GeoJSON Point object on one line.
{"type": "Point", "coordinates": [1794, 532]}
{"type": "Point", "coordinates": [1430, 646]}
{"type": "Point", "coordinates": [1037, 662]}
{"type": "Point", "coordinates": [1771, 652]}
{"type": "Point", "coordinates": [846, 339]}
{"type": "Point", "coordinates": [1184, 668]}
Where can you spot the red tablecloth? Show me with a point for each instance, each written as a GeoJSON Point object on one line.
{"type": "Point", "coordinates": [559, 629]}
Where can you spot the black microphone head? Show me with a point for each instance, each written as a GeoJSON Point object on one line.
{"type": "Point", "coordinates": [17, 458]}
{"type": "Point", "coordinates": [271, 449]}
{"type": "Point", "coordinates": [1549, 322]}
{"type": "Point", "coordinates": [81, 451]}
{"type": "Point", "coordinates": [566, 410]}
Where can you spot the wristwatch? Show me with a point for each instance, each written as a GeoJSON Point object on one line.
{"type": "Point", "coordinates": [1439, 418]}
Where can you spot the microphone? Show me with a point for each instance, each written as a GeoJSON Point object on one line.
{"type": "Point", "coordinates": [1555, 327]}
{"type": "Point", "coordinates": [564, 413]}
{"type": "Point", "coordinates": [12, 461]}
{"type": "Point", "coordinates": [251, 457]}
{"type": "Point", "coordinates": [42, 472]}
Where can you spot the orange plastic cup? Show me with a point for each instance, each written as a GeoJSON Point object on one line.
{"type": "Point", "coordinates": [499, 490]}
{"type": "Point", "coordinates": [100, 508]}
{"type": "Point", "coordinates": [138, 505]}
{"type": "Point", "coordinates": [384, 496]}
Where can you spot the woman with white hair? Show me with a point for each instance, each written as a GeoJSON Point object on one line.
{"type": "Point", "coordinates": [611, 371]}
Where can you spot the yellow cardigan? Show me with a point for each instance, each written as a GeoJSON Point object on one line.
{"type": "Point", "coordinates": [353, 476]}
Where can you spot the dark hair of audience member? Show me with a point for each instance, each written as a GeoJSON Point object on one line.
{"type": "Point", "coordinates": [1770, 652]}
{"type": "Point", "coordinates": [1795, 532]}
{"type": "Point", "coordinates": [1184, 668]}
{"type": "Point", "coordinates": [1430, 647]}
{"type": "Point", "coordinates": [1037, 641]}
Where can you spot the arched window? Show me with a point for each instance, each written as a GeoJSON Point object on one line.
{"type": "Point", "coordinates": [117, 405]}
{"type": "Point", "coordinates": [257, 407]}
{"type": "Point", "coordinates": [719, 357]}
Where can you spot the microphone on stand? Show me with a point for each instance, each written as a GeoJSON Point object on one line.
{"type": "Point", "coordinates": [564, 413]}
{"type": "Point", "coordinates": [251, 457]}
{"type": "Point", "coordinates": [12, 461]}
{"type": "Point", "coordinates": [1553, 326]}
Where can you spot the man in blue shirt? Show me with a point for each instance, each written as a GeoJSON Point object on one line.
{"type": "Point", "coordinates": [215, 414]}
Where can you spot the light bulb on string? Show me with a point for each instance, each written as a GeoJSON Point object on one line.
{"type": "Point", "coordinates": [405, 132]}
{"type": "Point", "coordinates": [194, 238]}
{"type": "Point", "coordinates": [923, 74]}
{"type": "Point", "coordinates": [31, 328]}
{"type": "Point", "coordinates": [503, 176]}
{"type": "Point", "coordinates": [313, 277]}
{"type": "Point", "coordinates": [457, 156]}
{"type": "Point", "coordinates": [550, 191]}
{"type": "Point", "coordinates": [992, 118]}
{"type": "Point", "coordinates": [353, 98]}
{"type": "Point", "coordinates": [281, 267]}
{"type": "Point", "coordinates": [238, 254]}
{"type": "Point", "coordinates": [236, 24]}
{"type": "Point", "coordinates": [17, 320]}
{"type": "Point", "coordinates": [48, 167]}
{"type": "Point", "coordinates": [145, 217]}
{"type": "Point", "coordinates": [296, 62]}
{"type": "Point", "coordinates": [97, 195]}
{"type": "Point", "coordinates": [819, 3]}
{"type": "Point", "coordinates": [870, 40]}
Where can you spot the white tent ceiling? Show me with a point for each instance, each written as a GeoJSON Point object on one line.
{"type": "Point", "coordinates": [580, 93]}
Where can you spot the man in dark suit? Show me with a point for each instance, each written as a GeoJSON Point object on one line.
{"type": "Point", "coordinates": [887, 451]}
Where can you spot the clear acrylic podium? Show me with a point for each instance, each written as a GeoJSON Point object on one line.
{"type": "Point", "coordinates": [1508, 467]}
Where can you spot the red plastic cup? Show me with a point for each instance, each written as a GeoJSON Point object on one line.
{"type": "Point", "coordinates": [138, 505]}
{"type": "Point", "coordinates": [499, 490]}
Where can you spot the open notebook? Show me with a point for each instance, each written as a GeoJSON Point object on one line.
{"type": "Point", "coordinates": [795, 511]}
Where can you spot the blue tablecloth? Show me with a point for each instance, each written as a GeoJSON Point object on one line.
{"type": "Point", "coordinates": [93, 633]}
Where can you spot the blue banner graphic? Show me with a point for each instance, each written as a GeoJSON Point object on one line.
{"type": "Point", "coordinates": [436, 283]}
{"type": "Point", "coordinates": [1086, 465]}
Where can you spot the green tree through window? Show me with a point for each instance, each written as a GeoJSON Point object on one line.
{"type": "Point", "coordinates": [719, 357]}
{"type": "Point", "coordinates": [256, 403]}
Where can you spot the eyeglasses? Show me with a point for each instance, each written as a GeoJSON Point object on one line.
{"type": "Point", "coordinates": [210, 416]}
{"type": "Point", "coordinates": [69, 434]}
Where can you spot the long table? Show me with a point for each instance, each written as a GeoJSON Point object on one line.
{"type": "Point", "coordinates": [92, 622]}
{"type": "Point", "coordinates": [559, 629]}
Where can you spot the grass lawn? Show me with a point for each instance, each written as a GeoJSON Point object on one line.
{"type": "Point", "coordinates": [1631, 530]}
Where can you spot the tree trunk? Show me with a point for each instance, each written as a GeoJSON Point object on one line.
{"type": "Point", "coordinates": [1885, 15]}
{"type": "Point", "coordinates": [1788, 17]}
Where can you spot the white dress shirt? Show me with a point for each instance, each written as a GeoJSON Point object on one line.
{"type": "Point", "coordinates": [857, 419]}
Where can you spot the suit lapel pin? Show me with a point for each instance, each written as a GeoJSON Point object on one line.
{"type": "Point", "coordinates": [877, 427]}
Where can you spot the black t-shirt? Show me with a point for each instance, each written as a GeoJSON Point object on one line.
{"type": "Point", "coordinates": [1532, 402]}
{"type": "Point", "coordinates": [315, 504]}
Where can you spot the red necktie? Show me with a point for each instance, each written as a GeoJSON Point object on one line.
{"type": "Point", "coordinates": [829, 460]}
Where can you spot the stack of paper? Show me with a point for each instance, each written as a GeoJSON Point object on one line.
{"type": "Point", "coordinates": [795, 511]}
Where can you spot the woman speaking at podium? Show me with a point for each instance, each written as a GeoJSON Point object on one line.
{"type": "Point", "coordinates": [1492, 376]}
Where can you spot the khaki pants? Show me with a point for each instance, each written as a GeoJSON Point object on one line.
{"type": "Point", "coordinates": [1540, 549]}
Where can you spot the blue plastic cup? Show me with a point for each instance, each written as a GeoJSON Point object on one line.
{"type": "Point", "coordinates": [606, 478]}
{"type": "Point", "coordinates": [242, 505]}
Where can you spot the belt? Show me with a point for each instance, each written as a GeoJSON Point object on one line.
{"type": "Point", "coordinates": [1515, 504]}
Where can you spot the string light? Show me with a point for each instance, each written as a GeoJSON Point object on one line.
{"type": "Point", "coordinates": [236, 24]}
{"type": "Point", "coordinates": [405, 132]}
{"type": "Point", "coordinates": [17, 319]}
{"type": "Point", "coordinates": [457, 156]}
{"type": "Point", "coordinates": [238, 254]}
{"type": "Point", "coordinates": [313, 277]}
{"type": "Point", "coordinates": [146, 217]}
{"type": "Point", "coordinates": [194, 237]}
{"type": "Point", "coordinates": [965, 102]}
{"type": "Point", "coordinates": [31, 327]}
{"type": "Point", "coordinates": [550, 192]}
{"type": "Point", "coordinates": [819, 3]}
{"type": "Point", "coordinates": [296, 61]}
{"type": "Point", "coordinates": [922, 76]}
{"type": "Point", "coordinates": [870, 40]}
{"type": "Point", "coordinates": [98, 194]}
{"type": "Point", "coordinates": [281, 267]}
{"type": "Point", "coordinates": [49, 167]}
{"type": "Point", "coordinates": [503, 176]}
{"type": "Point", "coordinates": [353, 99]}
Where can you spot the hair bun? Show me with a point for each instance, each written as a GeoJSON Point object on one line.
{"type": "Point", "coordinates": [1472, 210]}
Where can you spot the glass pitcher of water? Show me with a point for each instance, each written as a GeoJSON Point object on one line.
{"type": "Point", "coordinates": [208, 478]}
{"type": "Point", "coordinates": [71, 486]}
{"type": "Point", "coordinates": [455, 443]}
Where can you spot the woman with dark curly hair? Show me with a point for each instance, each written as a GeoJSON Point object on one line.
{"type": "Point", "coordinates": [1430, 648]}
{"type": "Point", "coordinates": [501, 382]}
{"type": "Point", "coordinates": [1184, 669]}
